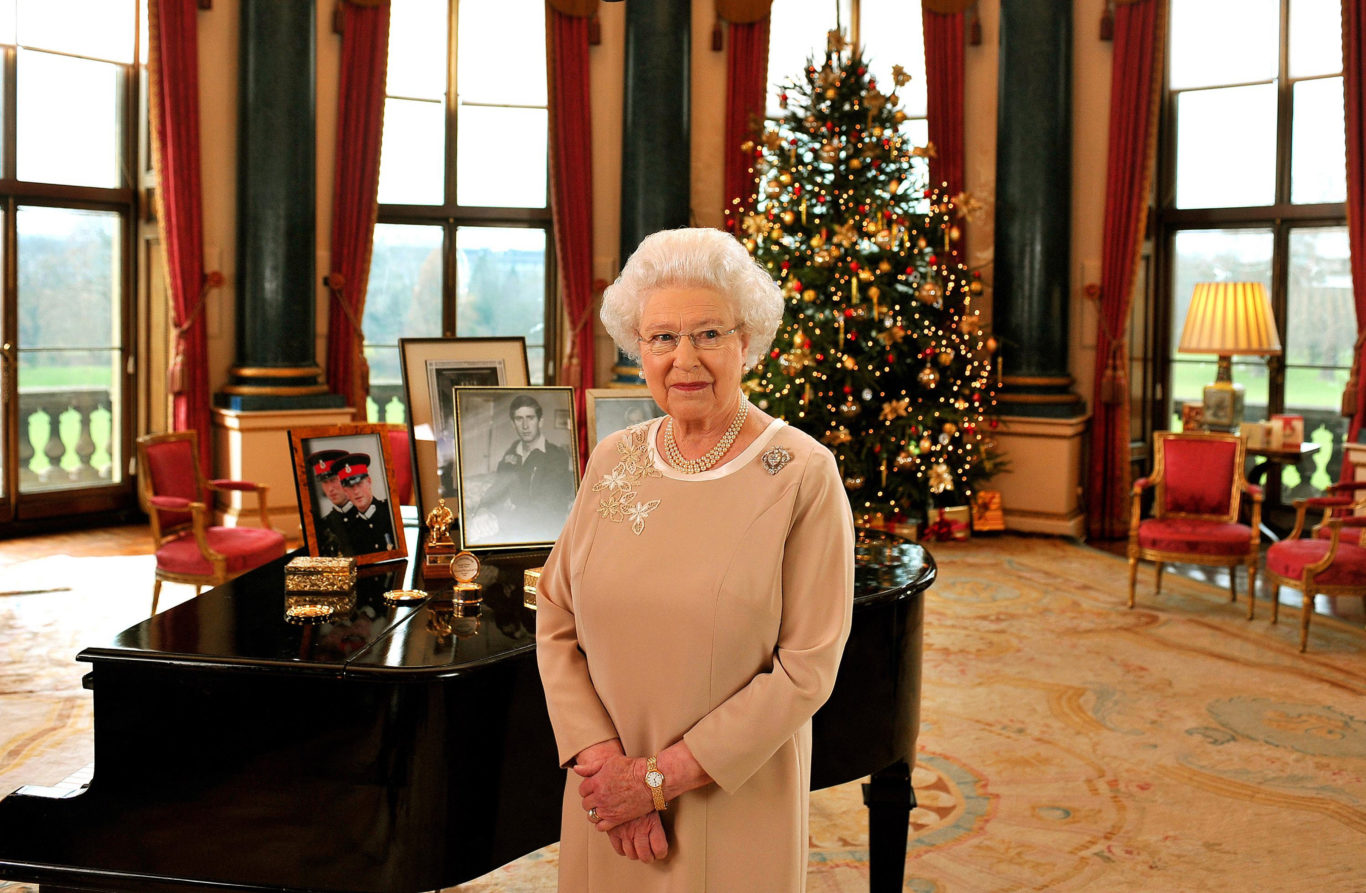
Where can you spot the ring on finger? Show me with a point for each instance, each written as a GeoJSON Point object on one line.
{"type": "Point", "coordinates": [593, 815]}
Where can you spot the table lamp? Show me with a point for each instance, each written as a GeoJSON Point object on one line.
{"type": "Point", "coordinates": [1228, 318]}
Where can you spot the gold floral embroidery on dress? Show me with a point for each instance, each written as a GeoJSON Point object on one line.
{"type": "Point", "coordinates": [620, 502]}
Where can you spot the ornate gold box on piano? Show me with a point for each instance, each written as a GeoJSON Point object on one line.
{"type": "Point", "coordinates": [314, 573]}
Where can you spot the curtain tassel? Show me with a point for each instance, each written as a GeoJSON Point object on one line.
{"type": "Point", "coordinates": [718, 41]}
{"type": "Point", "coordinates": [975, 29]}
{"type": "Point", "coordinates": [1350, 392]}
{"type": "Point", "coordinates": [1107, 23]}
{"type": "Point", "coordinates": [594, 31]}
{"type": "Point", "coordinates": [175, 373]}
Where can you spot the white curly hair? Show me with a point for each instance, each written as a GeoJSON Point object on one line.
{"type": "Point", "coordinates": [694, 258]}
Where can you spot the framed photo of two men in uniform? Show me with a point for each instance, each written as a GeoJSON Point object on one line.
{"type": "Point", "coordinates": [518, 465]}
{"type": "Point", "coordinates": [343, 477]}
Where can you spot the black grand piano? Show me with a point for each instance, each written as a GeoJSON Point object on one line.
{"type": "Point", "coordinates": [394, 748]}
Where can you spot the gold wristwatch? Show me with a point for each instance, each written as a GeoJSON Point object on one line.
{"type": "Point", "coordinates": [655, 779]}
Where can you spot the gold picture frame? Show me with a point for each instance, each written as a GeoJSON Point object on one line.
{"type": "Point", "coordinates": [328, 454]}
{"type": "Point", "coordinates": [612, 409]}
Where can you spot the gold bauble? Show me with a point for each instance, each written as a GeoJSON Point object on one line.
{"type": "Point", "coordinates": [817, 241]}
{"type": "Point", "coordinates": [849, 409]}
{"type": "Point", "coordinates": [921, 243]}
{"type": "Point", "coordinates": [785, 178]}
{"type": "Point", "coordinates": [883, 239]}
{"type": "Point", "coordinates": [855, 163]}
{"type": "Point", "coordinates": [865, 274]}
{"type": "Point", "coordinates": [821, 258]}
{"type": "Point", "coordinates": [899, 116]}
{"type": "Point", "coordinates": [903, 460]}
{"type": "Point", "coordinates": [928, 377]}
{"type": "Point", "coordinates": [929, 293]}
{"type": "Point", "coordinates": [831, 93]}
{"type": "Point", "coordinates": [954, 233]}
{"type": "Point", "coordinates": [883, 266]}
{"type": "Point", "coordinates": [893, 98]}
{"type": "Point", "coordinates": [926, 445]}
{"type": "Point", "coordinates": [750, 245]}
{"type": "Point", "coordinates": [854, 481]}
{"type": "Point", "coordinates": [974, 288]}
{"type": "Point", "coordinates": [774, 189]}
{"type": "Point", "coordinates": [829, 153]}
{"type": "Point", "coordinates": [945, 357]}
{"type": "Point", "coordinates": [809, 295]}
{"type": "Point", "coordinates": [877, 131]}
{"type": "Point", "coordinates": [991, 345]}
{"type": "Point", "coordinates": [950, 428]}
{"type": "Point", "coordinates": [893, 186]}
{"type": "Point", "coordinates": [789, 218]}
{"type": "Point", "coordinates": [874, 292]}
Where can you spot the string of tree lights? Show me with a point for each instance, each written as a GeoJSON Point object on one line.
{"type": "Point", "coordinates": [881, 354]}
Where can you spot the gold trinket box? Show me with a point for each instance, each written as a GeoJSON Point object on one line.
{"type": "Point", "coordinates": [531, 583]}
{"type": "Point", "coordinates": [313, 573]}
{"type": "Point", "coordinates": [464, 568]}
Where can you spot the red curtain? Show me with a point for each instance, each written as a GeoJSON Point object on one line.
{"type": "Point", "coordinates": [944, 89]}
{"type": "Point", "coordinates": [746, 84]}
{"type": "Point", "coordinates": [1353, 69]}
{"type": "Point", "coordinates": [1135, 83]}
{"type": "Point", "coordinates": [571, 194]}
{"type": "Point", "coordinates": [173, 74]}
{"type": "Point", "coordinates": [360, 121]}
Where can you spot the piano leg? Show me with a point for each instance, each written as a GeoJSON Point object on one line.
{"type": "Point", "coordinates": [889, 799]}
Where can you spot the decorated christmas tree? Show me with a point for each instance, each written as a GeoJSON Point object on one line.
{"type": "Point", "coordinates": [881, 354]}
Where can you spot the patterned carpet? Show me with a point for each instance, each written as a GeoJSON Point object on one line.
{"type": "Point", "coordinates": [1068, 743]}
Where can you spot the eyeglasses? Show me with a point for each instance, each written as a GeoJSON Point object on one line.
{"type": "Point", "coordinates": [661, 343]}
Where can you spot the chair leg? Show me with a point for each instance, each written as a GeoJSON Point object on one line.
{"type": "Point", "coordinates": [1233, 584]}
{"type": "Point", "coordinates": [1275, 603]}
{"type": "Point", "coordinates": [1251, 588]}
{"type": "Point", "coordinates": [1133, 577]}
{"type": "Point", "coordinates": [156, 595]}
{"type": "Point", "coordinates": [1157, 578]}
{"type": "Point", "coordinates": [1306, 611]}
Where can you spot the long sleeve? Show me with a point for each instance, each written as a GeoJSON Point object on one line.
{"type": "Point", "coordinates": [742, 732]}
{"type": "Point", "coordinates": [576, 713]}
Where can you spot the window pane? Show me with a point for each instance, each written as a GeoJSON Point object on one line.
{"type": "Point", "coordinates": [500, 275]}
{"type": "Point", "coordinates": [70, 353]}
{"type": "Point", "coordinates": [891, 34]}
{"type": "Point", "coordinates": [1226, 147]}
{"type": "Point", "coordinates": [7, 21]}
{"type": "Point", "coordinates": [411, 165]}
{"type": "Point", "coordinates": [68, 120]}
{"type": "Point", "coordinates": [497, 63]}
{"type": "Point", "coordinates": [797, 30]}
{"type": "Point", "coordinates": [1315, 37]}
{"type": "Point", "coordinates": [105, 30]}
{"type": "Point", "coordinates": [501, 160]}
{"type": "Point", "coordinates": [417, 49]}
{"type": "Point", "coordinates": [1318, 143]}
{"type": "Point", "coordinates": [1215, 256]}
{"type": "Point", "coordinates": [1320, 315]}
{"type": "Point", "coordinates": [1217, 42]}
{"type": "Point", "coordinates": [402, 300]}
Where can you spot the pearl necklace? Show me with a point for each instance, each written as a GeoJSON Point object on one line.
{"type": "Point", "coordinates": [712, 456]}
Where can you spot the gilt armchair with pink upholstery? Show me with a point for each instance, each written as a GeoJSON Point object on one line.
{"type": "Point", "coordinates": [178, 502]}
{"type": "Point", "coordinates": [1198, 494]}
{"type": "Point", "coordinates": [1330, 561]}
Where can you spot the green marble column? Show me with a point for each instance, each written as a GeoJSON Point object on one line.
{"type": "Point", "coordinates": [1033, 208]}
{"type": "Point", "coordinates": [655, 157]}
{"type": "Point", "coordinates": [276, 366]}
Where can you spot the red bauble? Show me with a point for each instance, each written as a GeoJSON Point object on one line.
{"type": "Point", "coordinates": [774, 353]}
{"type": "Point", "coordinates": [786, 265]}
{"type": "Point", "coordinates": [932, 259]}
{"type": "Point", "coordinates": [848, 390]}
{"type": "Point", "coordinates": [853, 266]}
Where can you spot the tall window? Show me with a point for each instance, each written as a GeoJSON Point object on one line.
{"type": "Point", "coordinates": [462, 246]}
{"type": "Point", "coordinates": [67, 167]}
{"type": "Point", "coordinates": [888, 31]}
{"type": "Point", "coordinates": [1254, 189]}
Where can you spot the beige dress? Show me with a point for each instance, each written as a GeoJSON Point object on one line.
{"type": "Point", "coordinates": [712, 608]}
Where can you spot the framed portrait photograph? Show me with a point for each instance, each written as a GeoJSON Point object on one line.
{"type": "Point", "coordinates": [432, 369]}
{"type": "Point", "coordinates": [518, 465]}
{"type": "Point", "coordinates": [343, 477]}
{"type": "Point", "coordinates": [612, 409]}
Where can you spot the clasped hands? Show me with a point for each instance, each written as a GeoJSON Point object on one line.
{"type": "Point", "coordinates": [614, 786]}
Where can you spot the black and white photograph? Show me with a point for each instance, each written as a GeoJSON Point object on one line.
{"type": "Point", "coordinates": [518, 465]}
{"type": "Point", "coordinates": [345, 489]}
{"type": "Point", "coordinates": [432, 369]}
{"type": "Point", "coordinates": [612, 409]}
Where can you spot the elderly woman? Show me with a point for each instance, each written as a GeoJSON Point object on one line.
{"type": "Point", "coordinates": [695, 607]}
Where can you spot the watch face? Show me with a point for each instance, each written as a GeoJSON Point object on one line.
{"type": "Point", "coordinates": [654, 779]}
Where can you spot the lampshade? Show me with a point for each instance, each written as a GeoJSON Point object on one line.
{"type": "Point", "coordinates": [1229, 318]}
